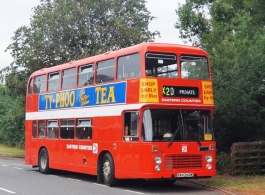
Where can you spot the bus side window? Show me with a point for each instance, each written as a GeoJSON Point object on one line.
{"type": "Point", "coordinates": [84, 129]}
{"type": "Point", "coordinates": [105, 71]}
{"type": "Point", "coordinates": [39, 84]}
{"type": "Point", "coordinates": [34, 129]}
{"type": "Point", "coordinates": [52, 129]}
{"type": "Point", "coordinates": [86, 75]}
{"type": "Point", "coordinates": [126, 75]}
{"type": "Point", "coordinates": [69, 78]}
{"type": "Point", "coordinates": [67, 129]}
{"type": "Point", "coordinates": [132, 75]}
{"type": "Point", "coordinates": [131, 123]}
{"type": "Point", "coordinates": [41, 129]}
{"type": "Point", "coordinates": [30, 86]}
{"type": "Point", "coordinates": [129, 66]}
{"type": "Point", "coordinates": [54, 81]}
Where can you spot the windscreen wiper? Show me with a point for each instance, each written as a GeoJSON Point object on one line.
{"type": "Point", "coordinates": [198, 140]}
{"type": "Point", "coordinates": [173, 137]}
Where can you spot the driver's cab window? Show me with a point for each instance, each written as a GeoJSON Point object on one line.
{"type": "Point", "coordinates": [130, 129]}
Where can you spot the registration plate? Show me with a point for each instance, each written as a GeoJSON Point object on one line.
{"type": "Point", "coordinates": [185, 175]}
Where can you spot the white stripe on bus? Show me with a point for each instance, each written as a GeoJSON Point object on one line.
{"type": "Point", "coordinates": [112, 110]}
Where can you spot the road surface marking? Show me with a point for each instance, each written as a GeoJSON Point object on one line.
{"type": "Point", "coordinates": [11, 192]}
{"type": "Point", "coordinates": [17, 168]}
{"type": "Point", "coordinates": [74, 179]}
{"type": "Point", "coordinates": [5, 165]}
{"type": "Point", "coordinates": [100, 184]}
{"type": "Point", "coordinates": [134, 191]}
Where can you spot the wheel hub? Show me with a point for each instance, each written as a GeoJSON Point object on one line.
{"type": "Point", "coordinates": [106, 169]}
{"type": "Point", "coordinates": [43, 161]}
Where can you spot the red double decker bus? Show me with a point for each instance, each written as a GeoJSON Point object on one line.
{"type": "Point", "coordinates": [144, 111]}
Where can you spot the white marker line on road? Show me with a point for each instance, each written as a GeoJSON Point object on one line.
{"type": "Point", "coordinates": [100, 185]}
{"type": "Point", "coordinates": [74, 179]}
{"type": "Point", "coordinates": [4, 165]}
{"type": "Point", "coordinates": [11, 192]}
{"type": "Point", "coordinates": [134, 191]}
{"type": "Point", "coordinates": [17, 168]}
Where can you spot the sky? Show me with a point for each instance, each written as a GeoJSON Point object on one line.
{"type": "Point", "coordinates": [17, 13]}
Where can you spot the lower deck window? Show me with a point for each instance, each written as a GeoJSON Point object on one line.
{"type": "Point", "coordinates": [80, 129]}
{"type": "Point", "coordinates": [52, 129]}
{"type": "Point", "coordinates": [67, 129]}
{"type": "Point", "coordinates": [84, 129]}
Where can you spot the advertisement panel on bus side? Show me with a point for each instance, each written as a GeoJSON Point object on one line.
{"type": "Point", "coordinates": [114, 93]}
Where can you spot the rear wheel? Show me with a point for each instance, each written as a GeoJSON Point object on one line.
{"type": "Point", "coordinates": [108, 170]}
{"type": "Point", "coordinates": [44, 161]}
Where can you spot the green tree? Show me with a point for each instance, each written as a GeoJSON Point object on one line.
{"type": "Point", "coordinates": [232, 32]}
{"type": "Point", "coordinates": [62, 31]}
{"type": "Point", "coordinates": [11, 121]}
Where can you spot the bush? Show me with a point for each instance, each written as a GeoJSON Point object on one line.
{"type": "Point", "coordinates": [223, 163]}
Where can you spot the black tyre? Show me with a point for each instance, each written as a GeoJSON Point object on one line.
{"type": "Point", "coordinates": [44, 161]}
{"type": "Point", "coordinates": [108, 170]}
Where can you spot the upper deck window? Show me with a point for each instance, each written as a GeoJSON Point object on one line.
{"type": "Point", "coordinates": [54, 81]}
{"type": "Point", "coordinates": [69, 78]}
{"type": "Point", "coordinates": [39, 84]}
{"type": "Point", "coordinates": [30, 87]}
{"type": "Point", "coordinates": [86, 75]}
{"type": "Point", "coordinates": [129, 66]}
{"type": "Point", "coordinates": [105, 71]}
{"type": "Point", "coordinates": [194, 67]}
{"type": "Point", "coordinates": [161, 65]}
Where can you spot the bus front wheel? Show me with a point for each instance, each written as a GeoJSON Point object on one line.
{"type": "Point", "coordinates": [108, 170]}
{"type": "Point", "coordinates": [44, 161]}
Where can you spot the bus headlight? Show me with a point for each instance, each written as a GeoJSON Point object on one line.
{"type": "Point", "coordinates": [209, 158]}
{"type": "Point", "coordinates": [209, 166]}
{"type": "Point", "coordinates": [158, 160]}
{"type": "Point", "coordinates": [157, 168]}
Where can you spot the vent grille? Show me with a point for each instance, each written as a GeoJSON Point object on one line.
{"type": "Point", "coordinates": [183, 161]}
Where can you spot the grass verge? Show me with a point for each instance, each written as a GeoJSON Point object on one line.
{"type": "Point", "coordinates": [243, 184]}
{"type": "Point", "coordinates": [7, 151]}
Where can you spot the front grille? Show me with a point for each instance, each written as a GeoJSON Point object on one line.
{"type": "Point", "coordinates": [180, 161]}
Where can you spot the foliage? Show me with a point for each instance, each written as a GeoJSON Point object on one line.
{"type": "Point", "coordinates": [223, 163]}
{"type": "Point", "coordinates": [61, 31]}
{"type": "Point", "coordinates": [12, 119]}
{"type": "Point", "coordinates": [233, 34]}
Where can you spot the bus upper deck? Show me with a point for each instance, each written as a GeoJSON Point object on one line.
{"type": "Point", "coordinates": [163, 73]}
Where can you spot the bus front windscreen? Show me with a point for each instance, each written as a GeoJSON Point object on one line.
{"type": "Point", "coordinates": [167, 125]}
